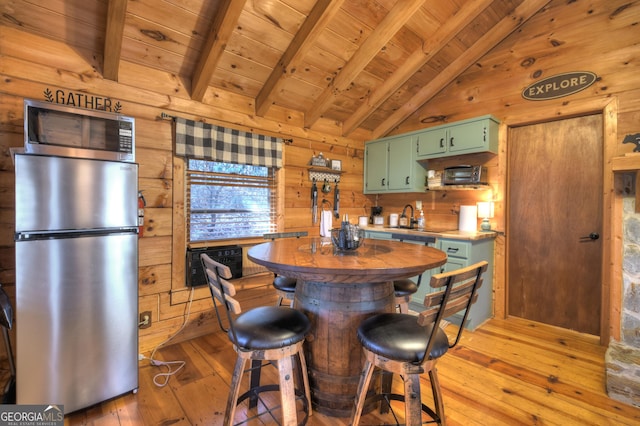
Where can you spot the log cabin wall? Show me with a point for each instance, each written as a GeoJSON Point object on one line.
{"type": "Point", "coordinates": [32, 65]}
{"type": "Point", "coordinates": [599, 36]}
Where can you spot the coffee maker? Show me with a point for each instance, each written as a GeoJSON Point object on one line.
{"type": "Point", "coordinates": [376, 216]}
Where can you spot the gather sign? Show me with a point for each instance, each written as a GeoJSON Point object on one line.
{"type": "Point", "coordinates": [559, 85]}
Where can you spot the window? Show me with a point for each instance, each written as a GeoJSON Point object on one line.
{"type": "Point", "coordinates": [229, 201]}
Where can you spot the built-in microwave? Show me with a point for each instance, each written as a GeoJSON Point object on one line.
{"type": "Point", "coordinates": [464, 175]}
{"type": "Point", "coordinates": [62, 130]}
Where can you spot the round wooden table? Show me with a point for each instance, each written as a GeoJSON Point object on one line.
{"type": "Point", "coordinates": [337, 291]}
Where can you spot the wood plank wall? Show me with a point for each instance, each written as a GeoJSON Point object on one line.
{"type": "Point", "coordinates": [599, 36]}
{"type": "Point", "coordinates": [31, 65]}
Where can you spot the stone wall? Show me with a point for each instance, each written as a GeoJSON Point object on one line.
{"type": "Point", "coordinates": [623, 357]}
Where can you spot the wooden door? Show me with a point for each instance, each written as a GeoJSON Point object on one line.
{"type": "Point", "coordinates": [554, 205]}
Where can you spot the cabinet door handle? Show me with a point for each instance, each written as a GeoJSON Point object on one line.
{"type": "Point", "coordinates": [406, 181]}
{"type": "Point", "coordinates": [383, 182]}
{"type": "Point", "coordinates": [451, 142]}
{"type": "Point", "coordinates": [441, 142]}
{"type": "Point", "coordinates": [452, 250]}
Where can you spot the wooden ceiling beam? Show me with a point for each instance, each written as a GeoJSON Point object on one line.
{"type": "Point", "coordinates": [116, 13]}
{"type": "Point", "coordinates": [221, 29]}
{"type": "Point", "coordinates": [499, 32]}
{"type": "Point", "coordinates": [397, 17]}
{"type": "Point", "coordinates": [416, 60]}
{"type": "Point", "coordinates": [306, 36]}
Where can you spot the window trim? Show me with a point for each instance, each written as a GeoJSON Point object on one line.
{"type": "Point", "coordinates": [179, 294]}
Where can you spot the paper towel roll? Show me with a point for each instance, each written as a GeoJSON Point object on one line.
{"type": "Point", "coordinates": [468, 218]}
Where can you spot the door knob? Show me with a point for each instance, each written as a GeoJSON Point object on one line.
{"type": "Point", "coordinates": [592, 236]}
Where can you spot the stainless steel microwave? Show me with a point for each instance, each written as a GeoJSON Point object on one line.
{"type": "Point", "coordinates": [464, 175]}
{"type": "Point", "coordinates": [66, 131]}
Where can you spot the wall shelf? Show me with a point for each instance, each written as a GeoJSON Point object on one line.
{"type": "Point", "coordinates": [459, 188]}
{"type": "Point", "coordinates": [320, 174]}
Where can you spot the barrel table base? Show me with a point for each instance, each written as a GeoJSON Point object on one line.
{"type": "Point", "coordinates": [333, 353]}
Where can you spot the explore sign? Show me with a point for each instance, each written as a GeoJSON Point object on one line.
{"type": "Point", "coordinates": [559, 85]}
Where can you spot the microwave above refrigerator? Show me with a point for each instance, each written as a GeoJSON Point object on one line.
{"type": "Point", "coordinates": [55, 129]}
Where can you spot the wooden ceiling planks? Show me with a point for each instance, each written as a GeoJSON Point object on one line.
{"type": "Point", "coordinates": [291, 60]}
{"type": "Point", "coordinates": [362, 64]}
{"type": "Point", "coordinates": [500, 31]}
{"type": "Point", "coordinates": [223, 25]}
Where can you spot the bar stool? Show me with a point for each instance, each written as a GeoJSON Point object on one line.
{"type": "Point", "coordinates": [265, 333]}
{"type": "Point", "coordinates": [285, 286]}
{"type": "Point", "coordinates": [409, 346]}
{"type": "Point", "coordinates": [403, 290]}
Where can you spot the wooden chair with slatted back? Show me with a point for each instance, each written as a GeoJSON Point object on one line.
{"type": "Point", "coordinates": [271, 334]}
{"type": "Point", "coordinates": [408, 346]}
{"type": "Point", "coordinates": [285, 286]}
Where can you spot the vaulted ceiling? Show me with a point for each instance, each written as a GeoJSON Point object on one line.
{"type": "Point", "coordinates": [362, 63]}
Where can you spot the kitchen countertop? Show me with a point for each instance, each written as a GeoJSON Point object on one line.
{"type": "Point", "coordinates": [454, 234]}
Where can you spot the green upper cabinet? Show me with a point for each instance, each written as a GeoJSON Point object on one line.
{"type": "Point", "coordinates": [390, 165]}
{"type": "Point", "coordinates": [464, 137]}
{"type": "Point", "coordinates": [376, 166]}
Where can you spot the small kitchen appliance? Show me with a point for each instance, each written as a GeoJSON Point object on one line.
{"type": "Point", "coordinates": [376, 216]}
{"type": "Point", "coordinates": [464, 175]}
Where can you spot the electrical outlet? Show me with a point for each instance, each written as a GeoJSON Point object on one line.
{"type": "Point", "coordinates": [145, 319]}
{"type": "Point", "coordinates": [418, 205]}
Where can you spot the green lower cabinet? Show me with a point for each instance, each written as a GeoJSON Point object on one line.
{"type": "Point", "coordinates": [377, 235]}
{"type": "Point", "coordinates": [426, 276]}
{"type": "Point", "coordinates": [461, 254]}
{"type": "Point", "coordinates": [423, 283]}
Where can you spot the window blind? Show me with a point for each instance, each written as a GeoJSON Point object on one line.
{"type": "Point", "coordinates": [229, 205]}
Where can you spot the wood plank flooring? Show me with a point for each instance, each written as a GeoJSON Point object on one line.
{"type": "Point", "coordinates": [506, 372]}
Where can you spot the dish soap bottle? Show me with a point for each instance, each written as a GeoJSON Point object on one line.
{"type": "Point", "coordinates": [421, 221]}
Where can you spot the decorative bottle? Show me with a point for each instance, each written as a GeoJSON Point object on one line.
{"type": "Point", "coordinates": [421, 221]}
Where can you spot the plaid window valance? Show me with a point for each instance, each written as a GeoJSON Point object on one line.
{"type": "Point", "coordinates": [199, 140]}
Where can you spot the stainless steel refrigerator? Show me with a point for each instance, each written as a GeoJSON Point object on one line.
{"type": "Point", "coordinates": [76, 280]}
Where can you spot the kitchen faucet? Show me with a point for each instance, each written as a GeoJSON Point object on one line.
{"type": "Point", "coordinates": [412, 221]}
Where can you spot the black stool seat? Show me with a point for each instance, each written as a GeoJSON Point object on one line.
{"type": "Point", "coordinates": [404, 287]}
{"type": "Point", "coordinates": [270, 327]}
{"type": "Point", "coordinates": [285, 287]}
{"type": "Point", "coordinates": [400, 337]}
{"type": "Point", "coordinates": [285, 284]}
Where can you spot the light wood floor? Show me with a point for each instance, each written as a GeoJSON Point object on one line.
{"type": "Point", "coordinates": [507, 372]}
